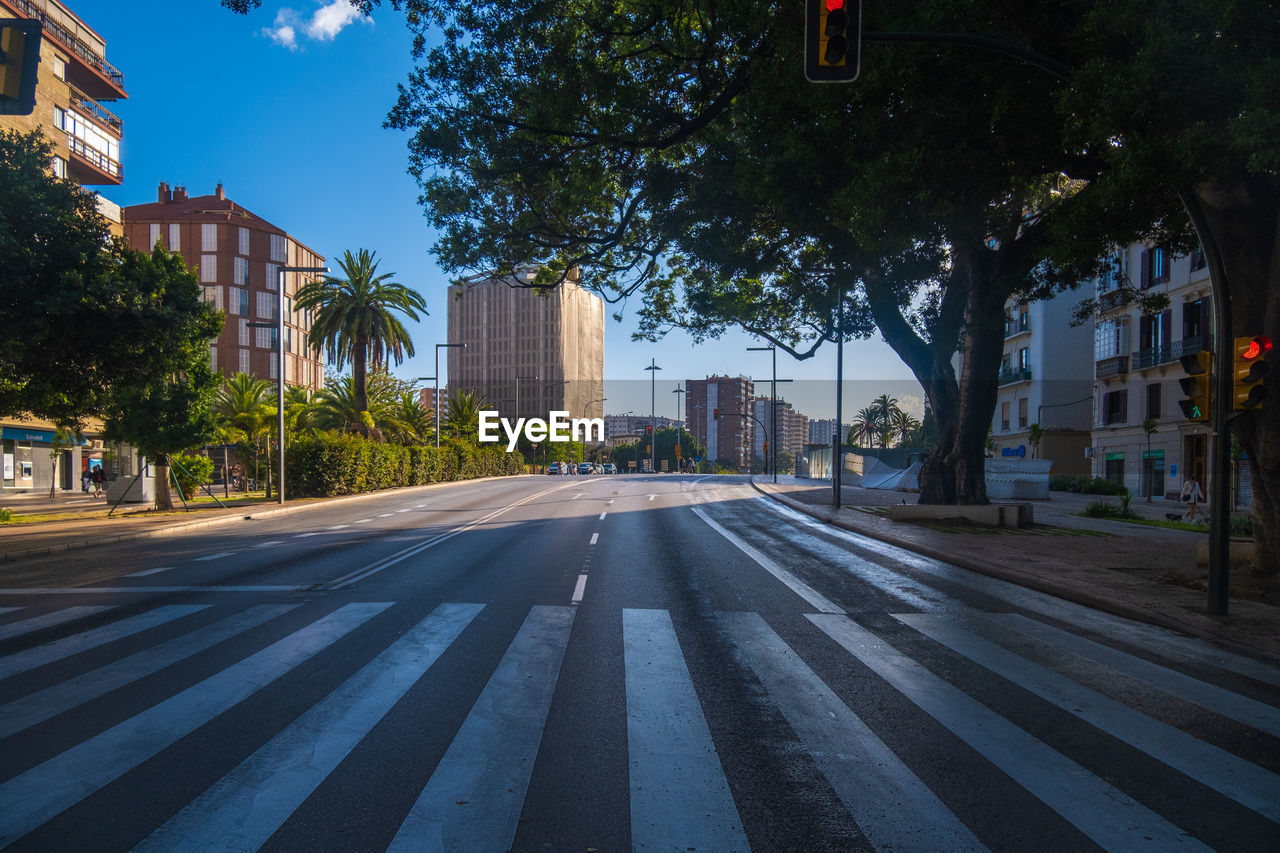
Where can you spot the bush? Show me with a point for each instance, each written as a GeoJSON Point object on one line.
{"type": "Point", "coordinates": [334, 463]}
{"type": "Point", "coordinates": [1106, 509]}
{"type": "Point", "coordinates": [1242, 525]}
{"type": "Point", "coordinates": [1084, 485]}
{"type": "Point", "coordinates": [196, 471]}
{"type": "Point", "coordinates": [6, 515]}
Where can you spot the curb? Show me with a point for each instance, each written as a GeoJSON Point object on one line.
{"type": "Point", "coordinates": [1034, 582]}
{"type": "Point", "coordinates": [230, 518]}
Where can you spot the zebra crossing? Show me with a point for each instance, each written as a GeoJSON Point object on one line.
{"type": "Point", "coordinates": [680, 795]}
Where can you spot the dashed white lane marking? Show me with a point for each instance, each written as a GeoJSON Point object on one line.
{"type": "Point", "coordinates": [305, 535]}
{"type": "Point", "coordinates": [602, 515]}
{"type": "Point", "coordinates": [651, 497]}
{"type": "Point", "coordinates": [217, 556]}
{"type": "Point", "coordinates": [145, 572]}
{"type": "Point", "coordinates": [339, 526]}
{"type": "Point", "coordinates": [419, 506]}
{"type": "Point", "coordinates": [385, 515]}
{"type": "Point", "coordinates": [361, 520]}
{"type": "Point", "coordinates": [269, 544]}
{"type": "Point", "coordinates": [595, 537]}
{"type": "Point", "coordinates": [579, 589]}
{"type": "Point", "coordinates": [578, 495]}
{"type": "Point", "coordinates": [406, 509]}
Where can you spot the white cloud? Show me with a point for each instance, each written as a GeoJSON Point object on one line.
{"type": "Point", "coordinates": [324, 24]}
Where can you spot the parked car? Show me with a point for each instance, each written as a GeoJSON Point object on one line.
{"type": "Point", "coordinates": [553, 468]}
{"type": "Point", "coordinates": [610, 468]}
{"type": "Point", "coordinates": [585, 468]}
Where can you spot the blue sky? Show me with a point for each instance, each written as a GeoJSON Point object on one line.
{"type": "Point", "coordinates": [285, 107]}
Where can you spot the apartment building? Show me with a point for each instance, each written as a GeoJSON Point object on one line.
{"type": "Point", "coordinates": [1045, 379]}
{"type": "Point", "coordinates": [1137, 368]}
{"type": "Point", "coordinates": [237, 257]}
{"type": "Point", "coordinates": [793, 428]}
{"type": "Point", "coordinates": [529, 352]}
{"type": "Point", "coordinates": [74, 84]}
{"type": "Point", "coordinates": [728, 438]}
{"type": "Point", "coordinates": [631, 425]}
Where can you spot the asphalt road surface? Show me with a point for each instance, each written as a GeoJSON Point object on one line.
{"type": "Point", "coordinates": [658, 663]}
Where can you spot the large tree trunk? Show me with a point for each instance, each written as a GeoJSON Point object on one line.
{"type": "Point", "coordinates": [1246, 222]}
{"type": "Point", "coordinates": [164, 500]}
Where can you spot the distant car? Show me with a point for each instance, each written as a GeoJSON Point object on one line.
{"type": "Point", "coordinates": [585, 468]}
{"type": "Point", "coordinates": [610, 468]}
{"type": "Point", "coordinates": [553, 468]}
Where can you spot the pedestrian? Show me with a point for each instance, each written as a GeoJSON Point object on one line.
{"type": "Point", "coordinates": [99, 478]}
{"type": "Point", "coordinates": [86, 477]}
{"type": "Point", "coordinates": [1192, 495]}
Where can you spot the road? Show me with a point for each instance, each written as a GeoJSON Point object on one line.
{"type": "Point", "coordinates": [667, 663]}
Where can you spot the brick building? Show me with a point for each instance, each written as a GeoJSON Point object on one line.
{"type": "Point", "coordinates": [727, 438]}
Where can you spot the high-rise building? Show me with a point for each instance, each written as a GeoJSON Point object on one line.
{"type": "Point", "coordinates": [728, 437]}
{"type": "Point", "coordinates": [73, 84]}
{"type": "Point", "coordinates": [793, 428]}
{"type": "Point", "coordinates": [237, 257]}
{"type": "Point", "coordinates": [529, 352]}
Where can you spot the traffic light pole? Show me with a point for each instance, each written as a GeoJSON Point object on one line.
{"type": "Point", "coordinates": [1219, 491]}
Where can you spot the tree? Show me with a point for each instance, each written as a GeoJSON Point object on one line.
{"type": "Point", "coordinates": [245, 410]}
{"type": "Point", "coordinates": [1150, 426]}
{"type": "Point", "coordinates": [337, 406]}
{"type": "Point", "coordinates": [1035, 434]}
{"type": "Point", "coordinates": [462, 418]}
{"type": "Point", "coordinates": [410, 422]}
{"type": "Point", "coordinates": [905, 427]}
{"type": "Point", "coordinates": [864, 427]}
{"type": "Point", "coordinates": [173, 410]}
{"type": "Point", "coordinates": [355, 319]}
{"type": "Point", "coordinates": [63, 440]}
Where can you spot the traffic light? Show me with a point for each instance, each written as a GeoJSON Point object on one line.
{"type": "Point", "coordinates": [19, 65]}
{"type": "Point", "coordinates": [1251, 370]}
{"type": "Point", "coordinates": [648, 429]}
{"type": "Point", "coordinates": [832, 38]}
{"type": "Point", "coordinates": [766, 449]}
{"type": "Point", "coordinates": [1195, 385]}
{"type": "Point", "coordinates": [715, 414]}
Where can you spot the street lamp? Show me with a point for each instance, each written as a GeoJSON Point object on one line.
{"type": "Point", "coordinates": [437, 378]}
{"type": "Point", "coordinates": [773, 408]}
{"type": "Point", "coordinates": [653, 413]}
{"type": "Point", "coordinates": [280, 271]}
{"type": "Point", "coordinates": [588, 405]}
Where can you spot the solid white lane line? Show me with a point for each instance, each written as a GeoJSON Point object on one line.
{"type": "Point", "coordinates": [145, 572]}
{"type": "Point", "coordinates": [1242, 709]}
{"type": "Point", "coordinates": [799, 587]}
{"type": "Point", "coordinates": [45, 704]}
{"type": "Point", "coordinates": [47, 620]}
{"type": "Point", "coordinates": [41, 793]}
{"type": "Point", "coordinates": [217, 556]}
{"type": "Point", "coordinates": [680, 799]}
{"type": "Point", "coordinates": [579, 588]}
{"type": "Point", "coordinates": [73, 590]}
{"type": "Point", "coordinates": [75, 644]}
{"type": "Point", "coordinates": [595, 537]}
{"type": "Point", "coordinates": [865, 774]}
{"type": "Point", "coordinates": [473, 799]}
{"type": "Point", "coordinates": [1101, 811]}
{"type": "Point", "coordinates": [244, 808]}
{"type": "Point", "coordinates": [1246, 783]}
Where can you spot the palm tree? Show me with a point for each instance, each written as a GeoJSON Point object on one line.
{"type": "Point", "coordinates": [336, 406]}
{"type": "Point", "coordinates": [886, 410]}
{"type": "Point", "coordinates": [865, 426]}
{"type": "Point", "coordinates": [355, 319]}
{"type": "Point", "coordinates": [904, 426]}
{"type": "Point", "coordinates": [410, 422]}
{"type": "Point", "coordinates": [244, 408]}
{"type": "Point", "coordinates": [299, 410]}
{"type": "Point", "coordinates": [462, 418]}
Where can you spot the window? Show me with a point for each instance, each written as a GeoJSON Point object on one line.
{"type": "Point", "coordinates": [1024, 359]}
{"type": "Point", "coordinates": [244, 333]}
{"type": "Point", "coordinates": [175, 237]}
{"type": "Point", "coordinates": [1022, 412]}
{"type": "Point", "coordinates": [1115, 407]}
{"type": "Point", "coordinates": [240, 271]}
{"type": "Point", "coordinates": [213, 357]}
{"type": "Point", "coordinates": [213, 296]}
{"type": "Point", "coordinates": [279, 248]}
{"type": "Point", "coordinates": [273, 276]}
{"type": "Point", "coordinates": [274, 366]}
{"type": "Point", "coordinates": [1004, 416]}
{"type": "Point", "coordinates": [244, 241]}
{"type": "Point", "coordinates": [59, 167]}
{"type": "Point", "coordinates": [263, 338]}
{"type": "Point", "coordinates": [1115, 272]}
{"type": "Point", "coordinates": [266, 306]}
{"type": "Point", "coordinates": [1153, 332]}
{"type": "Point", "coordinates": [208, 267]}
{"type": "Point", "coordinates": [153, 236]}
{"type": "Point", "coordinates": [1110, 339]}
{"type": "Point", "coordinates": [209, 237]}
{"type": "Point", "coordinates": [1155, 267]}
{"type": "Point", "coordinates": [244, 361]}
{"type": "Point", "coordinates": [1197, 259]}
{"type": "Point", "coordinates": [59, 67]}
{"type": "Point", "coordinates": [1194, 317]}
{"type": "Point", "coordinates": [239, 301]}
{"type": "Point", "coordinates": [1153, 400]}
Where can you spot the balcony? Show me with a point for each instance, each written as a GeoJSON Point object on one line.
{"type": "Point", "coordinates": [90, 166]}
{"type": "Point", "coordinates": [1114, 366]}
{"type": "Point", "coordinates": [102, 77]}
{"type": "Point", "coordinates": [1151, 357]}
{"type": "Point", "coordinates": [1112, 300]}
{"type": "Point", "coordinates": [96, 111]}
{"type": "Point", "coordinates": [1010, 375]}
{"type": "Point", "coordinates": [1016, 326]}
{"type": "Point", "coordinates": [1190, 346]}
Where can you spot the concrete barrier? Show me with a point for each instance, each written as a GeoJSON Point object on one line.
{"type": "Point", "coordinates": [988, 515]}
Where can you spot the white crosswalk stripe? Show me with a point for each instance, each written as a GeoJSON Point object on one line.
{"type": "Point", "coordinates": [678, 794]}
{"type": "Point", "coordinates": [48, 620]}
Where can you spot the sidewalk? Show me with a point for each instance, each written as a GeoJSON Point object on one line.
{"type": "Point", "coordinates": [1132, 570]}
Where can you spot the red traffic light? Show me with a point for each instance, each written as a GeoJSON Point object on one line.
{"type": "Point", "coordinates": [1257, 348]}
{"type": "Point", "coordinates": [832, 5]}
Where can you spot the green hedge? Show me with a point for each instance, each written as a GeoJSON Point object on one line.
{"type": "Point", "coordinates": [1084, 485]}
{"type": "Point", "coordinates": [330, 464]}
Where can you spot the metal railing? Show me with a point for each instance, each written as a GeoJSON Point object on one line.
{"type": "Point", "coordinates": [1009, 376]}
{"type": "Point", "coordinates": [96, 110]}
{"type": "Point", "coordinates": [1016, 327]}
{"type": "Point", "coordinates": [1112, 300]}
{"type": "Point", "coordinates": [1151, 356]}
{"type": "Point", "coordinates": [60, 33]}
{"type": "Point", "coordinates": [94, 157]}
{"type": "Point", "coordinates": [1189, 346]}
{"type": "Point", "coordinates": [1114, 366]}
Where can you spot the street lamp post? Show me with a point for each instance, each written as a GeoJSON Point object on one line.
{"type": "Point", "coordinates": [679, 419]}
{"type": "Point", "coordinates": [437, 378]}
{"type": "Point", "coordinates": [280, 369]}
{"type": "Point", "coordinates": [773, 408]}
{"type": "Point", "coordinates": [653, 414]}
